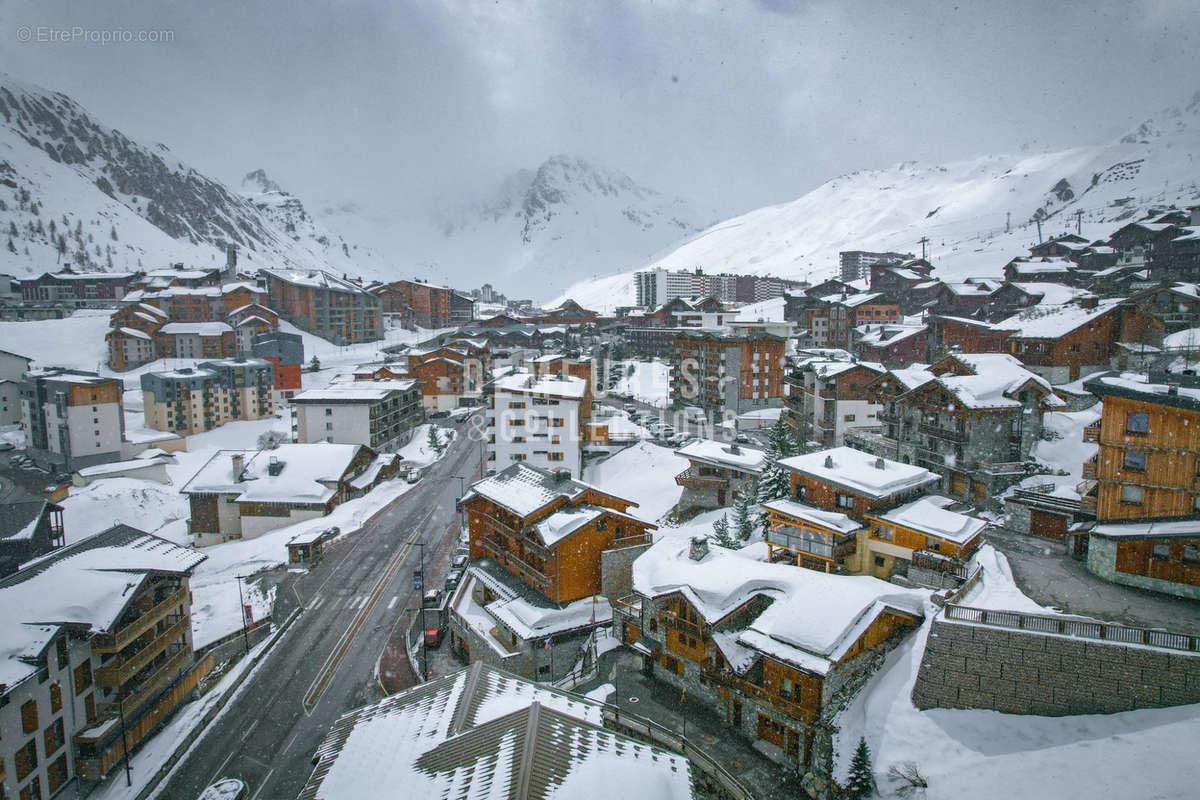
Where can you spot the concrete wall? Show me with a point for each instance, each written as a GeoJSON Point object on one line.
{"type": "Point", "coordinates": [616, 571]}
{"type": "Point", "coordinates": [253, 527]}
{"type": "Point", "coordinates": [1102, 560]}
{"type": "Point", "coordinates": [1018, 672]}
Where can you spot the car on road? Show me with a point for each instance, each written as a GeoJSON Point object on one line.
{"type": "Point", "coordinates": [433, 599]}
{"type": "Point", "coordinates": [742, 438]}
{"type": "Point", "coordinates": [413, 475]}
{"type": "Point", "coordinates": [453, 579]}
{"type": "Point", "coordinates": [225, 789]}
{"type": "Point", "coordinates": [6, 446]}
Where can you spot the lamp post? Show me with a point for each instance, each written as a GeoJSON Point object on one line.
{"type": "Point", "coordinates": [124, 737]}
{"type": "Point", "coordinates": [242, 605]}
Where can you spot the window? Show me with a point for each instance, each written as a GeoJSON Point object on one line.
{"type": "Point", "coordinates": [845, 500]}
{"type": "Point", "coordinates": [516, 423]}
{"type": "Point", "coordinates": [26, 759]}
{"type": "Point", "coordinates": [54, 736]}
{"type": "Point", "coordinates": [1191, 553]}
{"type": "Point", "coordinates": [83, 677]}
{"type": "Point", "coordinates": [328, 426]}
{"type": "Point", "coordinates": [557, 422]}
{"type": "Point", "coordinates": [1161, 550]}
{"type": "Point", "coordinates": [879, 561]}
{"type": "Point", "coordinates": [932, 544]}
{"type": "Point", "coordinates": [515, 404]}
{"type": "Point", "coordinates": [1135, 460]}
{"type": "Point", "coordinates": [57, 773]}
{"type": "Point", "coordinates": [60, 648]}
{"type": "Point", "coordinates": [849, 418]}
{"type": "Point", "coordinates": [883, 532]}
{"type": "Point", "coordinates": [554, 456]}
{"type": "Point", "coordinates": [329, 412]}
{"type": "Point", "coordinates": [787, 689]}
{"type": "Point", "coordinates": [29, 716]}
{"type": "Point", "coordinates": [602, 525]}
{"type": "Point", "coordinates": [1137, 422]}
{"type": "Point", "coordinates": [1131, 494]}
{"type": "Point", "coordinates": [55, 698]}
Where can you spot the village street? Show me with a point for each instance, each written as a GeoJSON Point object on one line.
{"type": "Point", "coordinates": [324, 665]}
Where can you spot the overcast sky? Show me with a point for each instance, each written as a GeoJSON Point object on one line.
{"type": "Point", "coordinates": [733, 104]}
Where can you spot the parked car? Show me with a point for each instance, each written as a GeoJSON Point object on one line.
{"type": "Point", "coordinates": [6, 446]}
{"type": "Point", "coordinates": [453, 579]}
{"type": "Point", "coordinates": [433, 637]}
{"type": "Point", "coordinates": [413, 475]}
{"type": "Point", "coordinates": [439, 415]}
{"type": "Point", "coordinates": [433, 599]}
{"type": "Point", "coordinates": [460, 561]}
{"type": "Point", "coordinates": [742, 438]}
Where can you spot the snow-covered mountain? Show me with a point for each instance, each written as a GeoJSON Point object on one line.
{"type": "Point", "coordinates": [74, 191]}
{"type": "Point", "coordinates": [538, 232]}
{"type": "Point", "coordinates": [976, 214]}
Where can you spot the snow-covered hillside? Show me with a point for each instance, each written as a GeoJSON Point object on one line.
{"type": "Point", "coordinates": [540, 231]}
{"type": "Point", "coordinates": [75, 191]}
{"type": "Point", "coordinates": [977, 214]}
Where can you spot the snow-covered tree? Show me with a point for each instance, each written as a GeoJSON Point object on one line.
{"type": "Point", "coordinates": [744, 515]}
{"type": "Point", "coordinates": [861, 782]}
{"type": "Point", "coordinates": [12, 247]}
{"type": "Point", "coordinates": [721, 534]}
{"type": "Point", "coordinates": [314, 365]}
{"type": "Point", "coordinates": [434, 441]}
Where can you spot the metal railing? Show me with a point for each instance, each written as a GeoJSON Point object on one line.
{"type": "Point", "coordinates": [942, 433]}
{"type": "Point", "coordinates": [1070, 626]}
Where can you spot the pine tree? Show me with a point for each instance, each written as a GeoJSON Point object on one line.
{"type": "Point", "coordinates": [721, 534]}
{"type": "Point", "coordinates": [773, 484]}
{"type": "Point", "coordinates": [743, 516]}
{"type": "Point", "coordinates": [12, 247]}
{"type": "Point", "coordinates": [313, 365]}
{"type": "Point", "coordinates": [434, 442]}
{"type": "Point", "coordinates": [861, 782]}
{"type": "Point", "coordinates": [112, 231]}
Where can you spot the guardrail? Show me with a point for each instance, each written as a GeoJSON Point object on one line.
{"type": "Point", "coordinates": [1069, 626]}
{"type": "Point", "coordinates": [647, 729]}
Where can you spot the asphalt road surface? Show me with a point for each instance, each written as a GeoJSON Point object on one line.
{"type": "Point", "coordinates": [324, 665]}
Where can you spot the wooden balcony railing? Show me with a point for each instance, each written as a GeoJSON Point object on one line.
{"type": "Point", "coordinates": [153, 683]}
{"type": "Point", "coordinates": [675, 621]}
{"type": "Point", "coordinates": [691, 478]}
{"type": "Point", "coordinates": [1092, 432]}
{"type": "Point", "coordinates": [942, 433]}
{"type": "Point", "coordinates": [117, 640]}
{"type": "Point", "coordinates": [1089, 468]}
{"type": "Point", "coordinates": [114, 675]}
{"type": "Point", "coordinates": [745, 687]}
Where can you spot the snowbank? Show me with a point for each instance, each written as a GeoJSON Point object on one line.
{"type": "Point", "coordinates": [648, 383]}
{"type": "Point", "coordinates": [645, 474]}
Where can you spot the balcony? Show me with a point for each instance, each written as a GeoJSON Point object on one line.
{"type": "Point", "coordinates": [112, 677]}
{"type": "Point", "coordinates": [1092, 432]}
{"type": "Point", "coordinates": [802, 540]}
{"type": "Point", "coordinates": [883, 415]}
{"type": "Point", "coordinates": [942, 433]}
{"type": "Point", "coordinates": [155, 682]}
{"type": "Point", "coordinates": [1089, 468]}
{"type": "Point", "coordinates": [671, 619]}
{"type": "Point", "coordinates": [691, 478]}
{"type": "Point", "coordinates": [117, 641]}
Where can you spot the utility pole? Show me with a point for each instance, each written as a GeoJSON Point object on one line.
{"type": "Point", "coordinates": [1008, 222]}
{"type": "Point", "coordinates": [1038, 219]}
{"type": "Point", "coordinates": [1079, 221]}
{"type": "Point", "coordinates": [923, 241]}
{"type": "Point", "coordinates": [124, 738]}
{"type": "Point", "coordinates": [242, 604]}
{"type": "Point", "coordinates": [421, 600]}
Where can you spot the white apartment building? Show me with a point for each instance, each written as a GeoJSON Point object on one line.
{"type": "Point", "coordinates": [380, 414]}
{"type": "Point", "coordinates": [656, 286]}
{"type": "Point", "coordinates": [536, 419]}
{"type": "Point", "coordinates": [72, 419]}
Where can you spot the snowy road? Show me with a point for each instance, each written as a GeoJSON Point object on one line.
{"type": "Point", "coordinates": [269, 734]}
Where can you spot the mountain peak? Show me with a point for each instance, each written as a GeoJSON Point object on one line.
{"type": "Point", "coordinates": [257, 182]}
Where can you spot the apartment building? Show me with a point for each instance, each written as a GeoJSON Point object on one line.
{"type": "Point", "coordinates": [97, 639]}
{"type": "Point", "coordinates": [285, 351]}
{"type": "Point", "coordinates": [12, 370]}
{"type": "Point", "coordinates": [819, 525]}
{"type": "Point", "coordinates": [549, 554]}
{"type": "Point", "coordinates": [727, 373]}
{"type": "Point", "coordinates": [772, 649]}
{"type": "Point", "coordinates": [28, 528]}
{"type": "Point", "coordinates": [333, 308]}
{"type": "Point", "coordinates": [196, 340]}
{"type": "Point", "coordinates": [826, 397]}
{"type": "Point", "coordinates": [971, 418]}
{"type": "Point", "coordinates": [424, 305]}
{"type": "Point", "coordinates": [188, 401]}
{"type": "Point", "coordinates": [856, 264]}
{"type": "Point", "coordinates": [72, 419]}
{"type": "Point", "coordinates": [380, 414]}
{"type": "Point", "coordinates": [449, 373]}
{"type": "Point", "coordinates": [717, 473]}
{"type": "Point", "coordinates": [536, 420]}
{"type": "Point", "coordinates": [847, 313]}
{"type": "Point", "coordinates": [77, 288]}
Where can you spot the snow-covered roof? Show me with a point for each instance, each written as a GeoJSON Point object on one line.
{"type": "Point", "coordinates": [1055, 294]}
{"type": "Point", "coordinates": [813, 619]}
{"type": "Point", "coordinates": [134, 332]}
{"type": "Point", "coordinates": [1148, 529]}
{"type": "Point", "coordinates": [565, 521]}
{"type": "Point", "coordinates": [930, 515]}
{"type": "Point", "coordinates": [309, 474]}
{"type": "Point", "coordinates": [1182, 340]}
{"type": "Point", "coordinates": [1133, 385]}
{"type": "Point", "coordinates": [861, 472]}
{"type": "Point", "coordinates": [531, 621]}
{"type": "Point", "coordinates": [709, 451]}
{"type": "Point", "coordinates": [913, 375]}
{"type": "Point", "coordinates": [196, 328]}
{"type": "Point", "coordinates": [317, 279]}
{"type": "Point", "coordinates": [877, 334]}
{"type": "Point", "coordinates": [854, 300]}
{"type": "Point", "coordinates": [569, 387]}
{"type": "Point", "coordinates": [1023, 267]}
{"type": "Point", "coordinates": [87, 583]}
{"type": "Point", "coordinates": [832, 520]}
{"type": "Point", "coordinates": [1050, 321]}
{"type": "Point", "coordinates": [488, 735]}
{"type": "Point", "coordinates": [356, 392]}
{"type": "Point", "coordinates": [523, 489]}
{"type": "Point", "coordinates": [998, 376]}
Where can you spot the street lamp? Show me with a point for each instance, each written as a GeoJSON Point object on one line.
{"type": "Point", "coordinates": [242, 604]}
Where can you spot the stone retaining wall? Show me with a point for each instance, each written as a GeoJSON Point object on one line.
{"type": "Point", "coordinates": [1018, 672]}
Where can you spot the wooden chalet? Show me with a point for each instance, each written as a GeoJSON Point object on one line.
{"type": "Point", "coordinates": [549, 530]}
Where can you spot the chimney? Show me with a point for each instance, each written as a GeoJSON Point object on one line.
{"type": "Point", "coordinates": [231, 260]}
{"type": "Point", "coordinates": [561, 475]}
{"type": "Point", "coordinates": [734, 449]}
{"type": "Point", "coordinates": [1172, 389]}
{"type": "Point", "coordinates": [698, 549]}
{"type": "Point", "coordinates": [879, 463]}
{"type": "Point", "coordinates": [274, 467]}
{"type": "Point", "coordinates": [828, 462]}
{"type": "Point", "coordinates": [239, 466]}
